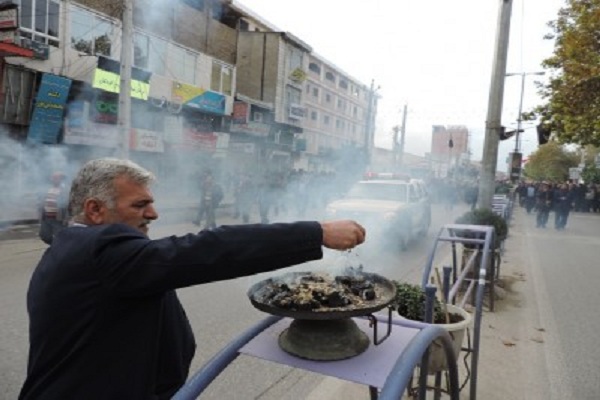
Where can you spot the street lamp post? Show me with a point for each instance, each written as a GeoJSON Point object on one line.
{"type": "Point", "coordinates": [519, 116]}
{"type": "Point", "coordinates": [370, 121]}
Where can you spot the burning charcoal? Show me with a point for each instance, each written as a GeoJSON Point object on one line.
{"type": "Point", "coordinates": [284, 287]}
{"type": "Point", "coordinates": [344, 280]}
{"type": "Point", "coordinates": [368, 294]}
{"type": "Point", "coordinates": [319, 296]}
{"type": "Point", "coordinates": [337, 299]}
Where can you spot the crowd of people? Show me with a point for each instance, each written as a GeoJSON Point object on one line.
{"type": "Point", "coordinates": [560, 198]}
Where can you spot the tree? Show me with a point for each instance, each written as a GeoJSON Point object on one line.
{"type": "Point", "coordinates": [572, 110]}
{"type": "Point", "coordinates": [591, 174]}
{"type": "Point", "coordinates": [551, 162]}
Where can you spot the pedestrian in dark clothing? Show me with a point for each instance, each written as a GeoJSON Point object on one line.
{"type": "Point", "coordinates": [563, 202]}
{"type": "Point", "coordinates": [53, 208]}
{"type": "Point", "coordinates": [105, 321]}
{"type": "Point", "coordinates": [211, 196]}
{"type": "Point", "coordinates": [530, 193]}
{"type": "Point", "coordinates": [543, 205]}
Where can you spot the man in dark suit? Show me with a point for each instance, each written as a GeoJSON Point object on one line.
{"type": "Point", "coordinates": [105, 320]}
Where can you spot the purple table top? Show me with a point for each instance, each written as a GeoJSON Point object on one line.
{"type": "Point", "coordinates": [368, 368]}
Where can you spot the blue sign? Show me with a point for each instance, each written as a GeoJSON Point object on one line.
{"type": "Point", "coordinates": [49, 109]}
{"type": "Point", "coordinates": [208, 101]}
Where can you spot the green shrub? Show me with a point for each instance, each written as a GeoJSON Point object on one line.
{"type": "Point", "coordinates": [485, 216]}
{"type": "Point", "coordinates": [410, 303]}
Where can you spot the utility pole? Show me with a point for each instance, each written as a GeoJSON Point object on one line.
{"type": "Point", "coordinates": [124, 116]}
{"type": "Point", "coordinates": [492, 123]}
{"type": "Point", "coordinates": [370, 121]}
{"type": "Point", "coordinates": [402, 136]}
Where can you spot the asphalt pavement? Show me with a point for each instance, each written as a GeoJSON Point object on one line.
{"type": "Point", "coordinates": [523, 353]}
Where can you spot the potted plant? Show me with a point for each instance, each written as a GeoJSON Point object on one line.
{"type": "Point", "coordinates": [485, 217]}
{"type": "Point", "coordinates": [410, 303]}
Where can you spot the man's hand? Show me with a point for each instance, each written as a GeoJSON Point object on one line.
{"type": "Point", "coordinates": [342, 235]}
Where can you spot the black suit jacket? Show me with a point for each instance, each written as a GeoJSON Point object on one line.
{"type": "Point", "coordinates": [105, 321]}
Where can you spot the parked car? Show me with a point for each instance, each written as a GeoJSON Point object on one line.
{"type": "Point", "coordinates": [394, 211]}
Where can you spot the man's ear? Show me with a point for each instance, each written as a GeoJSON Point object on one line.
{"type": "Point", "coordinates": [95, 211]}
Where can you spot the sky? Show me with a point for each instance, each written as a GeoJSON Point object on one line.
{"type": "Point", "coordinates": [435, 56]}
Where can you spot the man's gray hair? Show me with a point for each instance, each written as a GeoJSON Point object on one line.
{"type": "Point", "coordinates": [96, 180]}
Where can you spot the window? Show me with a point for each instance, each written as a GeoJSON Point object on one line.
{"type": "Point", "coordinates": [244, 26]}
{"type": "Point", "coordinates": [149, 53]}
{"type": "Point", "coordinates": [90, 34]}
{"type": "Point", "coordinates": [326, 119]}
{"type": "Point", "coordinates": [141, 49]}
{"type": "Point", "coordinates": [315, 92]}
{"type": "Point", "coordinates": [330, 77]}
{"type": "Point", "coordinates": [221, 78]}
{"type": "Point", "coordinates": [307, 88]}
{"type": "Point", "coordinates": [314, 115]}
{"type": "Point", "coordinates": [183, 66]}
{"type": "Point", "coordinates": [295, 55]}
{"type": "Point", "coordinates": [314, 68]}
{"type": "Point", "coordinates": [293, 95]}
{"type": "Point", "coordinates": [343, 84]}
{"type": "Point", "coordinates": [18, 94]}
{"type": "Point", "coordinates": [39, 20]}
{"type": "Point", "coordinates": [328, 98]}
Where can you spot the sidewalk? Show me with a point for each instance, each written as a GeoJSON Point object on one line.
{"type": "Point", "coordinates": [512, 362]}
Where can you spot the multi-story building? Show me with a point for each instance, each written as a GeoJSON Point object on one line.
{"type": "Point", "coordinates": [338, 126]}
{"type": "Point", "coordinates": [213, 86]}
{"type": "Point", "coordinates": [449, 147]}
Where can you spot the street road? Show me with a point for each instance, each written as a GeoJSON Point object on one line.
{"type": "Point", "coordinates": [556, 271]}
{"type": "Point", "coordinates": [566, 277]}
{"type": "Point", "coordinates": [218, 312]}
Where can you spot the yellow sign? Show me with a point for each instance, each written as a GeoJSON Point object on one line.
{"type": "Point", "coordinates": [184, 92]}
{"type": "Point", "coordinates": [298, 75]}
{"type": "Point", "coordinates": [110, 82]}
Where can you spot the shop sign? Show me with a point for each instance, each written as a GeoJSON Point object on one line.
{"type": "Point", "coordinates": [105, 111]}
{"type": "Point", "coordinates": [146, 140]}
{"type": "Point", "coordinates": [198, 98]}
{"type": "Point", "coordinates": [9, 18]}
{"type": "Point", "coordinates": [194, 138]}
{"type": "Point", "coordinates": [9, 37]}
{"type": "Point", "coordinates": [49, 109]}
{"type": "Point", "coordinates": [111, 82]}
{"type": "Point", "coordinates": [257, 129]}
{"type": "Point", "coordinates": [241, 111]}
{"type": "Point", "coordinates": [101, 135]}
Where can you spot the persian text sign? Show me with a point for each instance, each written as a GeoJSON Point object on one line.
{"type": "Point", "coordinates": [111, 82]}
{"type": "Point", "coordinates": [49, 109]}
{"type": "Point", "coordinates": [198, 98]}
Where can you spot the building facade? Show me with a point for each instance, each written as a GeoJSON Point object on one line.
{"type": "Point", "coordinates": [449, 148]}
{"type": "Point", "coordinates": [213, 87]}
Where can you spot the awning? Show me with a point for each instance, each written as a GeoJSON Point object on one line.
{"type": "Point", "coordinates": [12, 50]}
